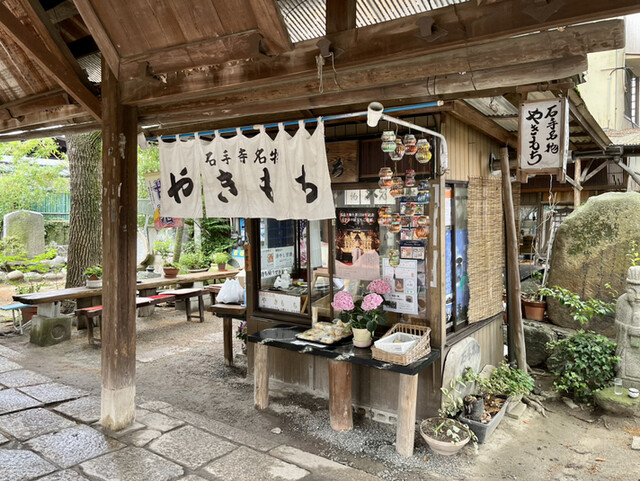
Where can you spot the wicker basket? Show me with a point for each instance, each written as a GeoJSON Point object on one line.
{"type": "Point", "coordinates": [420, 349]}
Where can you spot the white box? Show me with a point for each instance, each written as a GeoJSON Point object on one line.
{"type": "Point", "coordinates": [397, 343]}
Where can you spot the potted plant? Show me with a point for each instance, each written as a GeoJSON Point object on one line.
{"type": "Point", "coordinates": [241, 334]}
{"type": "Point", "coordinates": [163, 248]}
{"type": "Point", "coordinates": [195, 262]}
{"type": "Point", "coordinates": [532, 298]}
{"type": "Point", "coordinates": [221, 259]}
{"type": "Point", "coordinates": [445, 436]}
{"type": "Point", "coordinates": [93, 276]}
{"type": "Point", "coordinates": [363, 315]}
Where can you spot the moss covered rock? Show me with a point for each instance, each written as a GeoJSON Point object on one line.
{"type": "Point", "coordinates": [590, 250]}
{"type": "Point", "coordinates": [621, 405]}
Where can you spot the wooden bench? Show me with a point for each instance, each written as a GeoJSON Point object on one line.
{"type": "Point", "coordinates": [91, 314]}
{"type": "Point", "coordinates": [186, 295]}
{"type": "Point", "coordinates": [228, 312]}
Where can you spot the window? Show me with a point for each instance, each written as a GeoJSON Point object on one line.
{"type": "Point", "coordinates": [631, 97]}
{"type": "Point", "coordinates": [456, 260]}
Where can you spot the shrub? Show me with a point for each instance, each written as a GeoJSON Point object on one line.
{"type": "Point", "coordinates": [194, 260]}
{"type": "Point", "coordinates": [503, 380]}
{"type": "Point", "coordinates": [583, 364]}
{"type": "Point", "coordinates": [581, 311]}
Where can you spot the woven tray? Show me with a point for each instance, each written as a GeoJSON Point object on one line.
{"type": "Point", "coordinates": [420, 349]}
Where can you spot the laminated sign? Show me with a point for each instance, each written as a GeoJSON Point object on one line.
{"type": "Point", "coordinates": [282, 178]}
{"type": "Point", "coordinates": [544, 135]}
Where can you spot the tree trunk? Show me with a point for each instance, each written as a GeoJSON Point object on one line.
{"type": "Point", "coordinates": [177, 249]}
{"type": "Point", "coordinates": [85, 221]}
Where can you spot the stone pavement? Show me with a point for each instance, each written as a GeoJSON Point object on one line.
{"type": "Point", "coordinates": [50, 432]}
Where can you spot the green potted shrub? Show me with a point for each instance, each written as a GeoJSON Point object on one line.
{"type": "Point", "coordinates": [164, 249]}
{"type": "Point", "coordinates": [532, 298]}
{"type": "Point", "coordinates": [221, 259]}
{"type": "Point", "coordinates": [194, 262]}
{"type": "Point", "coordinates": [93, 276]}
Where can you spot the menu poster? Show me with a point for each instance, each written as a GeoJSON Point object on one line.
{"type": "Point", "coordinates": [357, 243]}
{"type": "Point", "coordinates": [403, 280]}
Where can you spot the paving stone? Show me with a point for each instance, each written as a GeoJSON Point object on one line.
{"type": "Point", "coordinates": [245, 463]}
{"type": "Point", "coordinates": [160, 422]}
{"type": "Point", "coordinates": [12, 400]}
{"type": "Point", "coordinates": [516, 410]}
{"type": "Point", "coordinates": [3, 439]}
{"type": "Point", "coordinates": [191, 447]}
{"type": "Point", "coordinates": [141, 412]}
{"type": "Point", "coordinates": [192, 477]}
{"type": "Point", "coordinates": [131, 464]}
{"type": "Point", "coordinates": [155, 405]}
{"type": "Point", "coordinates": [22, 465]}
{"type": "Point", "coordinates": [11, 354]}
{"type": "Point", "coordinates": [28, 424]}
{"type": "Point", "coordinates": [635, 443]}
{"type": "Point", "coordinates": [118, 434]}
{"type": "Point", "coordinates": [73, 445]}
{"type": "Point", "coordinates": [53, 392]}
{"type": "Point", "coordinates": [238, 436]}
{"type": "Point", "coordinates": [85, 409]}
{"type": "Point", "coordinates": [66, 475]}
{"type": "Point", "coordinates": [6, 365]}
{"type": "Point", "coordinates": [22, 378]}
{"type": "Point", "coordinates": [330, 469]}
{"type": "Point", "coordinates": [141, 437]}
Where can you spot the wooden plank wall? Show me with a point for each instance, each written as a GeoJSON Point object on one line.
{"type": "Point", "coordinates": [491, 341]}
{"type": "Point", "coordinates": [469, 150]}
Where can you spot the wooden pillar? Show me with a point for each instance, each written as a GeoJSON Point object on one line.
{"type": "Point", "coordinates": [406, 429]}
{"type": "Point", "coordinates": [577, 193]}
{"type": "Point", "coordinates": [340, 15]}
{"type": "Point", "coordinates": [228, 341]}
{"type": "Point", "coordinates": [513, 272]}
{"type": "Point", "coordinates": [340, 413]}
{"type": "Point", "coordinates": [261, 376]}
{"type": "Point", "coordinates": [119, 225]}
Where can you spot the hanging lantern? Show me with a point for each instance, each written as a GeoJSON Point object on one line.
{"type": "Point", "coordinates": [385, 181]}
{"type": "Point", "coordinates": [424, 191]}
{"type": "Point", "coordinates": [396, 223]}
{"type": "Point", "coordinates": [410, 144]}
{"type": "Point", "coordinates": [394, 258]}
{"type": "Point", "coordinates": [388, 135]}
{"type": "Point", "coordinates": [399, 151]}
{"type": "Point", "coordinates": [410, 178]}
{"type": "Point", "coordinates": [423, 154]}
{"type": "Point", "coordinates": [384, 216]}
{"type": "Point", "coordinates": [397, 188]}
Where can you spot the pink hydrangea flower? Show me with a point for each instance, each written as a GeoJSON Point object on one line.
{"type": "Point", "coordinates": [343, 301]}
{"type": "Point", "coordinates": [371, 302]}
{"type": "Point", "coordinates": [379, 286]}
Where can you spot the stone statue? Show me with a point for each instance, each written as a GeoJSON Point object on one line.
{"type": "Point", "coordinates": [628, 330]}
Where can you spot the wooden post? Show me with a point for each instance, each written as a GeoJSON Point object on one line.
{"type": "Point", "coordinates": [228, 341]}
{"type": "Point", "coordinates": [261, 376]}
{"type": "Point", "coordinates": [340, 413]}
{"type": "Point", "coordinates": [511, 244]}
{"type": "Point", "coordinates": [406, 429]}
{"type": "Point", "coordinates": [577, 193]}
{"type": "Point", "coordinates": [340, 15]}
{"type": "Point", "coordinates": [119, 226]}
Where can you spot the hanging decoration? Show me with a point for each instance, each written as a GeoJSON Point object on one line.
{"type": "Point", "coordinates": [386, 175]}
{"type": "Point", "coordinates": [410, 144]}
{"type": "Point", "coordinates": [388, 141]}
{"type": "Point", "coordinates": [423, 191]}
{"type": "Point", "coordinates": [410, 178]}
{"type": "Point", "coordinates": [397, 188]}
{"type": "Point", "coordinates": [423, 151]}
{"type": "Point", "coordinates": [282, 178]}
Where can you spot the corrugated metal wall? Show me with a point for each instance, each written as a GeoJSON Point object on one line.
{"type": "Point", "coordinates": [55, 206]}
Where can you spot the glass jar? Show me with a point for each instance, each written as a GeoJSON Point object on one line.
{"type": "Point", "coordinates": [385, 181]}
{"type": "Point", "coordinates": [396, 223]}
{"type": "Point", "coordinates": [388, 146]}
{"type": "Point", "coordinates": [410, 178]}
{"type": "Point", "coordinates": [388, 135]}
{"type": "Point", "coordinates": [397, 187]}
{"type": "Point", "coordinates": [394, 258]}
{"type": "Point", "coordinates": [399, 151]}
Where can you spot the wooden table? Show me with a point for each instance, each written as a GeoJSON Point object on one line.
{"type": "Point", "coordinates": [228, 312]}
{"type": "Point", "coordinates": [49, 302]}
{"type": "Point", "coordinates": [341, 358]}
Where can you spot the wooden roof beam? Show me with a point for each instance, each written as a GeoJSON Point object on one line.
{"type": "Point", "coordinates": [581, 113]}
{"type": "Point", "coordinates": [44, 117]}
{"type": "Point", "coordinates": [341, 15]}
{"type": "Point", "coordinates": [271, 26]}
{"type": "Point", "coordinates": [61, 71]}
{"type": "Point", "coordinates": [475, 119]}
{"type": "Point", "coordinates": [239, 46]}
{"type": "Point", "coordinates": [573, 41]}
{"type": "Point", "coordinates": [68, 129]}
{"type": "Point", "coordinates": [99, 34]}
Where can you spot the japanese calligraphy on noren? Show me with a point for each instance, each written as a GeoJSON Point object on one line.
{"type": "Point", "coordinates": [543, 135]}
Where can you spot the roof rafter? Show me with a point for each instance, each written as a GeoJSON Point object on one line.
{"type": "Point", "coordinates": [61, 71]}
{"type": "Point", "coordinates": [271, 25]}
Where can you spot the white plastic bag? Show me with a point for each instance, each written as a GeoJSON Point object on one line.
{"type": "Point", "coordinates": [231, 292]}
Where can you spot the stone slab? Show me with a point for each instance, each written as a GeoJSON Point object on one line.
{"type": "Point", "coordinates": [329, 469]}
{"type": "Point", "coordinates": [22, 465]}
{"type": "Point", "coordinates": [53, 392]}
{"type": "Point", "coordinates": [135, 426]}
{"type": "Point", "coordinates": [85, 409]}
{"type": "Point", "coordinates": [192, 477]}
{"type": "Point", "coordinates": [160, 422]}
{"type": "Point", "coordinates": [6, 365]}
{"type": "Point", "coordinates": [238, 436]}
{"type": "Point", "coordinates": [516, 410]}
{"type": "Point", "coordinates": [190, 446]}
{"type": "Point", "coordinates": [155, 405]}
{"type": "Point", "coordinates": [73, 445]}
{"type": "Point", "coordinates": [12, 400]}
{"type": "Point", "coordinates": [22, 378]}
{"type": "Point", "coordinates": [635, 443]}
{"type": "Point", "coordinates": [66, 475]}
{"type": "Point", "coordinates": [463, 354]}
{"type": "Point", "coordinates": [31, 423]}
{"type": "Point", "coordinates": [245, 463]}
{"type": "Point", "coordinates": [47, 331]}
{"type": "Point", "coordinates": [10, 353]}
{"type": "Point", "coordinates": [141, 437]}
{"type": "Point", "coordinates": [131, 464]}
{"type": "Point", "coordinates": [3, 439]}
{"type": "Point", "coordinates": [621, 405]}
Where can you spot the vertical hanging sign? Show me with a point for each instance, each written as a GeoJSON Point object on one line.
{"type": "Point", "coordinates": [544, 135]}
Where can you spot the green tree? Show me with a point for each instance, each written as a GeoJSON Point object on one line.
{"type": "Point", "coordinates": [148, 161]}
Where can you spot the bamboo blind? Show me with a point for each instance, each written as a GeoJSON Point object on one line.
{"type": "Point", "coordinates": [486, 248]}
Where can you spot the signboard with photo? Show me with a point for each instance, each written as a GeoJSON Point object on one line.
{"type": "Point", "coordinates": [403, 280]}
{"type": "Point", "coordinates": [357, 243]}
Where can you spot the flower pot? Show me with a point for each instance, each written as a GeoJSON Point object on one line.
{"type": "Point", "coordinates": [446, 448]}
{"type": "Point", "coordinates": [93, 282]}
{"type": "Point", "coordinates": [28, 313]}
{"type": "Point", "coordinates": [534, 310]}
{"type": "Point", "coordinates": [222, 266]}
{"type": "Point", "coordinates": [170, 272]}
{"type": "Point", "coordinates": [483, 431]}
{"type": "Point", "coordinates": [194, 271]}
{"type": "Point", "coordinates": [361, 337]}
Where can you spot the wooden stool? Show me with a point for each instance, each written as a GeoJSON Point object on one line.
{"type": "Point", "coordinates": [228, 312]}
{"type": "Point", "coordinates": [186, 295]}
